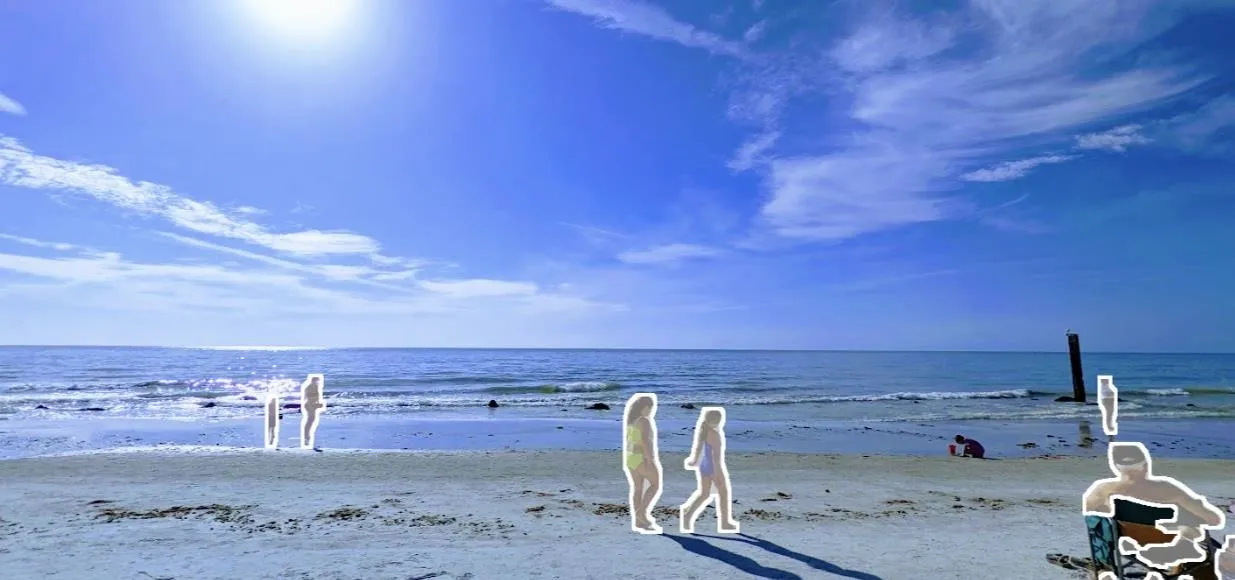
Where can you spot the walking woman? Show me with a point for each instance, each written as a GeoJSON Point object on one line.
{"type": "Point", "coordinates": [641, 461]}
{"type": "Point", "coordinates": [707, 459]}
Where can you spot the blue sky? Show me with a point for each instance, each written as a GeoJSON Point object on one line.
{"type": "Point", "coordinates": [973, 174]}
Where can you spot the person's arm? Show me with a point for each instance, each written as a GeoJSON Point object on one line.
{"type": "Point", "coordinates": [697, 449]}
{"type": "Point", "coordinates": [649, 444]}
{"type": "Point", "coordinates": [1203, 510]}
{"type": "Point", "coordinates": [714, 439]}
{"type": "Point", "coordinates": [1099, 501]}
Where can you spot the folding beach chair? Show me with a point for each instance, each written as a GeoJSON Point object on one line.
{"type": "Point", "coordinates": [1136, 521]}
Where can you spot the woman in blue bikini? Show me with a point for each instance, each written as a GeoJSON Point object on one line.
{"type": "Point", "coordinates": [707, 459]}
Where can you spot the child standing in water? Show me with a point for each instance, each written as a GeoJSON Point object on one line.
{"type": "Point", "coordinates": [272, 421]}
{"type": "Point", "coordinates": [707, 459]}
{"type": "Point", "coordinates": [641, 461]}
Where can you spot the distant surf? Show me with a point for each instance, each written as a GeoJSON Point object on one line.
{"type": "Point", "coordinates": [231, 382]}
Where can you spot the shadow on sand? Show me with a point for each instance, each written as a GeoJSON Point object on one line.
{"type": "Point", "coordinates": [747, 565]}
{"type": "Point", "coordinates": [813, 562]}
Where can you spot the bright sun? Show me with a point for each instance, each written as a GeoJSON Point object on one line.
{"type": "Point", "coordinates": [303, 18]}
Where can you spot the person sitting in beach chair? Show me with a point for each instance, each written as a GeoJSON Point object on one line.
{"type": "Point", "coordinates": [1114, 542]}
{"type": "Point", "coordinates": [966, 447]}
{"type": "Point", "coordinates": [1157, 520]}
{"type": "Point", "coordinates": [1224, 568]}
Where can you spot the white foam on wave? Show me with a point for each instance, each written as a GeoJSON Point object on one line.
{"type": "Point", "coordinates": [65, 396]}
{"type": "Point", "coordinates": [267, 348]}
{"type": "Point", "coordinates": [189, 450]}
{"type": "Point", "coordinates": [1127, 410]}
{"type": "Point", "coordinates": [1167, 392]}
{"type": "Point", "coordinates": [585, 387]}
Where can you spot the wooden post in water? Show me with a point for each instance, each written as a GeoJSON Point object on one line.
{"type": "Point", "coordinates": [1078, 375]}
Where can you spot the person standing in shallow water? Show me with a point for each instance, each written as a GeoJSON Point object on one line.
{"type": "Point", "coordinates": [707, 459]}
{"type": "Point", "coordinates": [312, 403]}
{"type": "Point", "coordinates": [272, 421]}
{"type": "Point", "coordinates": [641, 461]}
{"type": "Point", "coordinates": [1108, 401]}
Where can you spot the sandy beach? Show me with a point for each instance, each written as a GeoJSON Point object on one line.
{"type": "Point", "coordinates": [205, 513]}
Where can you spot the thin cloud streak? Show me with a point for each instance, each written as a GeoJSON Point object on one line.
{"type": "Point", "coordinates": [1117, 139]}
{"type": "Point", "coordinates": [10, 106]}
{"type": "Point", "coordinates": [357, 274]}
{"type": "Point", "coordinates": [1014, 169]}
{"type": "Point", "coordinates": [636, 17]}
{"type": "Point", "coordinates": [58, 246]}
{"type": "Point", "coordinates": [668, 254]}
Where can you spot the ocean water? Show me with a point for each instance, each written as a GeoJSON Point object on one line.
{"type": "Point", "coordinates": [767, 391]}
{"type": "Point", "coordinates": [758, 385]}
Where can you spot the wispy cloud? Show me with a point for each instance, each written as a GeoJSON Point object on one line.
{"type": "Point", "coordinates": [927, 102]}
{"type": "Point", "coordinates": [105, 275]}
{"type": "Point", "coordinates": [1014, 225]}
{"type": "Point", "coordinates": [637, 17]}
{"type": "Point", "coordinates": [10, 106]}
{"type": "Point", "coordinates": [378, 284]}
{"type": "Point", "coordinates": [249, 210]}
{"type": "Point", "coordinates": [86, 276]}
{"type": "Point", "coordinates": [338, 272]}
{"type": "Point", "coordinates": [479, 288]}
{"type": "Point", "coordinates": [1199, 131]}
{"type": "Point", "coordinates": [598, 236]}
{"type": "Point", "coordinates": [755, 32]}
{"type": "Point", "coordinates": [21, 167]}
{"type": "Point", "coordinates": [1117, 139]}
{"type": "Point", "coordinates": [752, 151]}
{"type": "Point", "coordinates": [668, 254]}
{"type": "Point", "coordinates": [1010, 170]}
{"type": "Point", "coordinates": [58, 246]}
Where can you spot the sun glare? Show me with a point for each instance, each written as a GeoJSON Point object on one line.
{"type": "Point", "coordinates": [303, 18]}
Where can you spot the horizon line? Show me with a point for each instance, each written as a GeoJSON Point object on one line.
{"type": "Point", "coordinates": [587, 348]}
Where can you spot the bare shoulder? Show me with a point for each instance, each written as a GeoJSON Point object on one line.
{"type": "Point", "coordinates": [1099, 494]}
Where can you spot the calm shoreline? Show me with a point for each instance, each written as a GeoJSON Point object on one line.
{"type": "Point", "coordinates": [492, 431]}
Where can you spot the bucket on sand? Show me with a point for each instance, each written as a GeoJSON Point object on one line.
{"type": "Point", "coordinates": [951, 449]}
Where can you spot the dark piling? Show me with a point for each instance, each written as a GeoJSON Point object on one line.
{"type": "Point", "coordinates": [1078, 375]}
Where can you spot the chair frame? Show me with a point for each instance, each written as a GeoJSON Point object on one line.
{"type": "Point", "coordinates": [1104, 534]}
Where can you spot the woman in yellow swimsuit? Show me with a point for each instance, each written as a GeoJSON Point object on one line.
{"type": "Point", "coordinates": [641, 461]}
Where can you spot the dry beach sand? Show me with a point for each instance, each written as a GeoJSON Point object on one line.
{"type": "Point", "coordinates": [217, 513]}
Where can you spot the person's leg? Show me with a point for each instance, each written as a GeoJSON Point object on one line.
{"type": "Point", "coordinates": [652, 476]}
{"type": "Point", "coordinates": [638, 509]}
{"type": "Point", "coordinates": [310, 422]}
{"type": "Point", "coordinates": [634, 496]}
{"type": "Point", "coordinates": [690, 510]}
{"type": "Point", "coordinates": [724, 502]}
